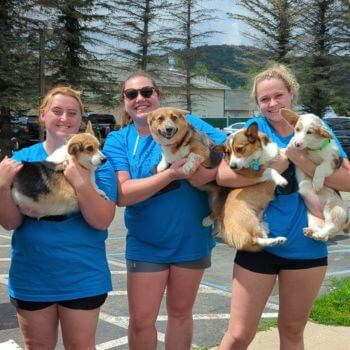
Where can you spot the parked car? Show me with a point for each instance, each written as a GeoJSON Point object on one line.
{"type": "Point", "coordinates": [341, 129]}
{"type": "Point", "coordinates": [102, 124]}
{"type": "Point", "coordinates": [231, 129]}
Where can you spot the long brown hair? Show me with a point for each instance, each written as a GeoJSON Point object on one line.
{"type": "Point", "coordinates": [125, 119]}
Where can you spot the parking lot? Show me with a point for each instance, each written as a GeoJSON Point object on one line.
{"type": "Point", "coordinates": [211, 311]}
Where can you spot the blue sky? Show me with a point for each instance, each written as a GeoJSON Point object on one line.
{"type": "Point", "coordinates": [231, 29]}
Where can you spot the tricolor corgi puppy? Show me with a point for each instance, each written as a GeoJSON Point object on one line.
{"type": "Point", "coordinates": [249, 153]}
{"type": "Point", "coordinates": [178, 139]}
{"type": "Point", "coordinates": [311, 134]}
{"type": "Point", "coordinates": [40, 188]}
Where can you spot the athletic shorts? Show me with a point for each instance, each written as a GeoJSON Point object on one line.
{"type": "Point", "coordinates": [143, 266]}
{"type": "Point", "coordinates": [267, 263]}
{"type": "Point", "coordinates": [88, 303]}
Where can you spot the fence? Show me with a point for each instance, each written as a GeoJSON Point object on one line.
{"type": "Point", "coordinates": [223, 122]}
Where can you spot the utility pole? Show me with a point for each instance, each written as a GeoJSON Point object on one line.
{"type": "Point", "coordinates": [41, 74]}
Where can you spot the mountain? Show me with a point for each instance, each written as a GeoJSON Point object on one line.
{"type": "Point", "coordinates": [230, 64]}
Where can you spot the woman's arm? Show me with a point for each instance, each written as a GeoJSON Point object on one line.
{"type": "Point", "coordinates": [229, 178]}
{"type": "Point", "coordinates": [339, 180]}
{"type": "Point", "coordinates": [10, 216]}
{"type": "Point", "coordinates": [95, 208]}
{"type": "Point", "coordinates": [132, 191]}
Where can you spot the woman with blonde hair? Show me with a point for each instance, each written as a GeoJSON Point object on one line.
{"type": "Point", "coordinates": [59, 272]}
{"type": "Point", "coordinates": [300, 264]}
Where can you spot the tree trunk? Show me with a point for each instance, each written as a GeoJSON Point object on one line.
{"type": "Point", "coordinates": [5, 132]}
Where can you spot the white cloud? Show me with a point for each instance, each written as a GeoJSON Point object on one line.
{"type": "Point", "coordinates": [231, 30]}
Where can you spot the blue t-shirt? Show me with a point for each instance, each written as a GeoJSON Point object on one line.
{"type": "Point", "coordinates": [286, 215]}
{"type": "Point", "coordinates": [167, 227]}
{"type": "Point", "coordinates": [55, 261]}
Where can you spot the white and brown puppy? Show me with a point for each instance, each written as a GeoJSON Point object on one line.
{"type": "Point", "coordinates": [249, 153]}
{"type": "Point", "coordinates": [40, 188]}
{"type": "Point", "coordinates": [178, 139]}
{"type": "Point", "coordinates": [311, 134]}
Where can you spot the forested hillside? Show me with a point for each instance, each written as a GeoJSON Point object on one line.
{"type": "Point", "coordinates": [229, 64]}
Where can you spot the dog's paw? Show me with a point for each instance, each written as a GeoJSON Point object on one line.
{"type": "Point", "coordinates": [207, 221]}
{"type": "Point", "coordinates": [317, 183]}
{"type": "Point", "coordinates": [187, 168]}
{"type": "Point", "coordinates": [278, 241]}
{"type": "Point", "coordinates": [311, 233]}
{"type": "Point", "coordinates": [161, 167]}
{"type": "Point", "coordinates": [282, 182]}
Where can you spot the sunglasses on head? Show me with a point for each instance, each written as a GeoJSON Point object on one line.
{"type": "Point", "coordinates": [145, 92]}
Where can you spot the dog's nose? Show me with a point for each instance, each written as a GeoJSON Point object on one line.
{"type": "Point", "coordinates": [169, 129]}
{"type": "Point", "coordinates": [103, 160]}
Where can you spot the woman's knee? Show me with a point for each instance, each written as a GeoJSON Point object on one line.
{"type": "Point", "coordinates": [239, 336]}
{"type": "Point", "coordinates": [293, 331]}
{"type": "Point", "coordinates": [39, 344]}
{"type": "Point", "coordinates": [141, 322]}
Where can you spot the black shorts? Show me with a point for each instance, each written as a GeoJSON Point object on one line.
{"type": "Point", "coordinates": [143, 266]}
{"type": "Point", "coordinates": [267, 263]}
{"type": "Point", "coordinates": [88, 303]}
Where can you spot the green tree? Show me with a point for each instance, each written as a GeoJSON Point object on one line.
{"type": "Point", "coordinates": [188, 16]}
{"type": "Point", "coordinates": [140, 28]}
{"type": "Point", "coordinates": [274, 24]}
{"type": "Point", "coordinates": [74, 47]}
{"type": "Point", "coordinates": [318, 44]}
{"type": "Point", "coordinates": [18, 65]}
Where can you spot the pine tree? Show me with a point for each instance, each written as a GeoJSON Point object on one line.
{"type": "Point", "coordinates": [18, 65]}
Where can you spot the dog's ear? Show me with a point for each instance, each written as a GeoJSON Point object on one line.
{"type": "Point", "coordinates": [252, 132]}
{"type": "Point", "coordinates": [219, 148]}
{"type": "Point", "coordinates": [75, 147]}
{"type": "Point", "coordinates": [89, 128]}
{"type": "Point", "coordinates": [182, 113]}
{"type": "Point", "coordinates": [290, 116]}
{"type": "Point", "coordinates": [324, 132]}
{"type": "Point", "coordinates": [150, 117]}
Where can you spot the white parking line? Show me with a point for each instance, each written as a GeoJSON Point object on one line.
{"type": "Point", "coordinates": [6, 236]}
{"type": "Point", "coordinates": [10, 345]}
{"type": "Point", "coordinates": [5, 245]}
{"type": "Point", "coordinates": [112, 344]}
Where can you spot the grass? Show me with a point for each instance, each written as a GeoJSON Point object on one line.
{"type": "Point", "coordinates": [330, 309]}
{"type": "Point", "coordinates": [334, 307]}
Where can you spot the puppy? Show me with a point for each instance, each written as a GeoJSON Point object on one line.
{"type": "Point", "coordinates": [249, 153]}
{"type": "Point", "coordinates": [179, 139]}
{"type": "Point", "coordinates": [40, 188]}
{"type": "Point", "coordinates": [311, 134]}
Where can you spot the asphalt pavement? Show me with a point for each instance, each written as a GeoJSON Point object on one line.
{"type": "Point", "coordinates": [211, 311]}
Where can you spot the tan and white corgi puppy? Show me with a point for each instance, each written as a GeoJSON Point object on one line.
{"type": "Point", "coordinates": [249, 153]}
{"type": "Point", "coordinates": [40, 188]}
{"type": "Point", "coordinates": [311, 134]}
{"type": "Point", "coordinates": [178, 139]}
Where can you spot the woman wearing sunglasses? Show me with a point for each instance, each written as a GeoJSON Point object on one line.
{"type": "Point", "coordinates": [166, 246]}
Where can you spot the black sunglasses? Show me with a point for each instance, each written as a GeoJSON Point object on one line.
{"type": "Point", "coordinates": [145, 92]}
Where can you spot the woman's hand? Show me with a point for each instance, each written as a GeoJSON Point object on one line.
{"type": "Point", "coordinates": [77, 176]}
{"type": "Point", "coordinates": [177, 172]}
{"type": "Point", "coordinates": [295, 155]}
{"type": "Point", "coordinates": [10, 216]}
{"type": "Point", "coordinates": [8, 170]}
{"type": "Point", "coordinates": [282, 163]}
{"type": "Point", "coordinates": [202, 176]}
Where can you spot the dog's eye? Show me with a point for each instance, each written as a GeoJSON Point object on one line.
{"type": "Point", "coordinates": [173, 118]}
{"type": "Point", "coordinates": [161, 119]}
{"type": "Point", "coordinates": [239, 149]}
{"type": "Point", "coordinates": [89, 148]}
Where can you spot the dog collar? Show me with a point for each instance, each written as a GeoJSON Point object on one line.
{"type": "Point", "coordinates": [255, 165]}
{"type": "Point", "coordinates": [324, 144]}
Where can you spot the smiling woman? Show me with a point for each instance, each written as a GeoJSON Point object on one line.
{"type": "Point", "coordinates": [49, 285]}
